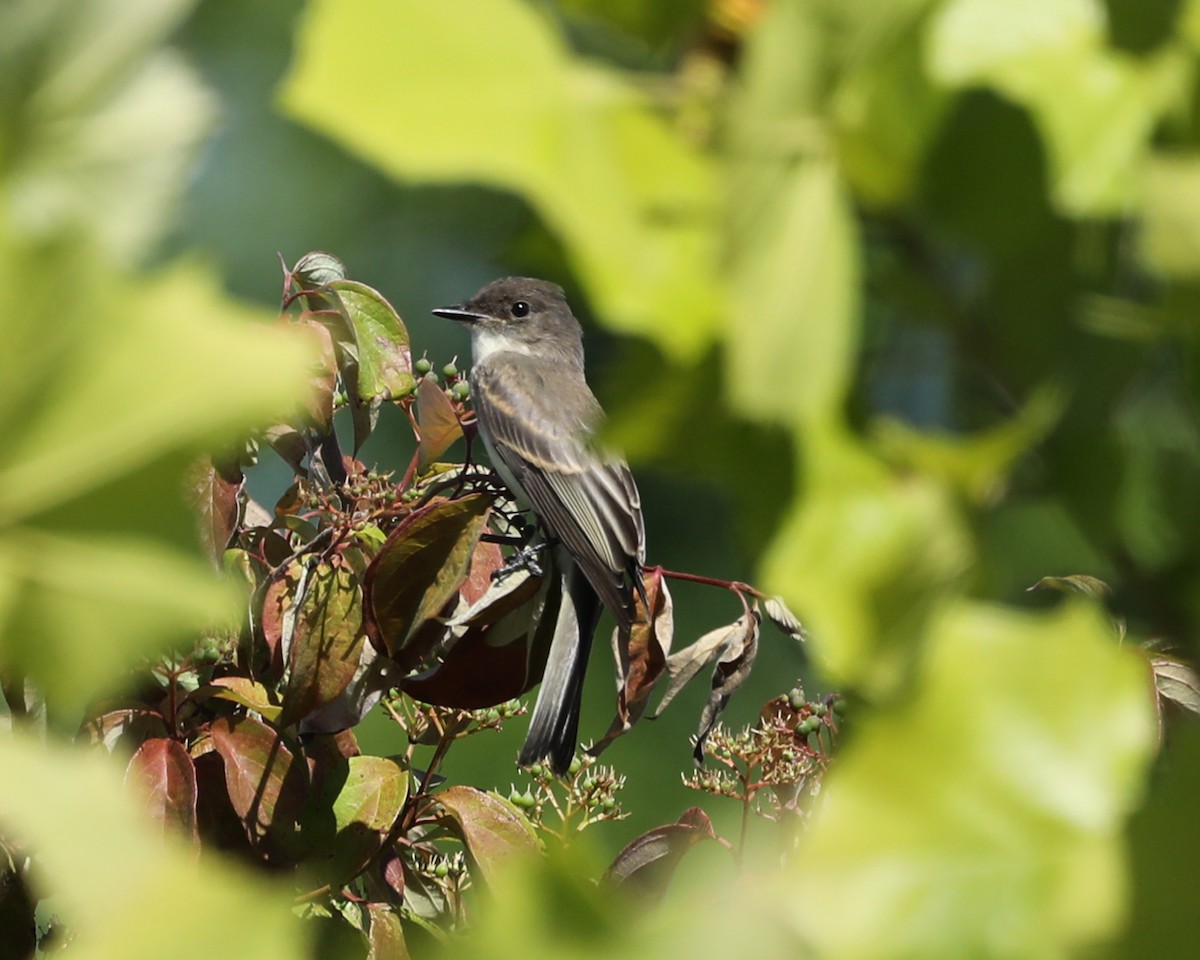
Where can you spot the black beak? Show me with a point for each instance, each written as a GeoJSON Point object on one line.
{"type": "Point", "coordinates": [461, 314]}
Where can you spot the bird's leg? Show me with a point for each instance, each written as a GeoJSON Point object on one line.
{"type": "Point", "coordinates": [525, 558]}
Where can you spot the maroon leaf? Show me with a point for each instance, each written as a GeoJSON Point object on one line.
{"type": "Point", "coordinates": [325, 643]}
{"type": "Point", "coordinates": [485, 561]}
{"type": "Point", "coordinates": [647, 863]}
{"type": "Point", "coordinates": [386, 936]}
{"type": "Point", "coordinates": [266, 786]}
{"type": "Point", "coordinates": [162, 771]}
{"type": "Point", "coordinates": [437, 422]}
{"type": "Point", "coordinates": [492, 829]}
{"type": "Point", "coordinates": [420, 567]}
{"type": "Point", "coordinates": [214, 489]}
{"type": "Point", "coordinates": [641, 655]}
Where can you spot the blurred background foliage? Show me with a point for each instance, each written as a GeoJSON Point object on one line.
{"type": "Point", "coordinates": [893, 306]}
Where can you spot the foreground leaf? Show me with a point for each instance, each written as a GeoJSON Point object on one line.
{"type": "Point", "coordinates": [645, 865]}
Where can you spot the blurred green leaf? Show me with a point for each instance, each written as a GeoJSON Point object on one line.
{"type": "Point", "coordinates": [634, 204]}
{"type": "Point", "coordinates": [124, 888]}
{"type": "Point", "coordinates": [102, 409]}
{"type": "Point", "coordinates": [1096, 108]}
{"type": "Point", "coordinates": [867, 557]}
{"type": "Point", "coordinates": [981, 816]}
{"type": "Point", "coordinates": [1170, 208]}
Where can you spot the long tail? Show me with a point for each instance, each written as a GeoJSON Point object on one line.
{"type": "Point", "coordinates": [554, 727]}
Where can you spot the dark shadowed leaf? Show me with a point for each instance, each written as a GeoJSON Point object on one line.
{"type": "Point", "coordinates": [326, 643]}
{"type": "Point", "coordinates": [128, 727]}
{"type": "Point", "coordinates": [1092, 587]}
{"type": "Point", "coordinates": [266, 786]}
{"type": "Point", "coordinates": [162, 772]}
{"type": "Point", "coordinates": [420, 568]}
{"type": "Point", "coordinates": [242, 690]}
{"type": "Point", "coordinates": [641, 656]}
{"type": "Point", "coordinates": [422, 896]}
{"type": "Point", "coordinates": [733, 667]}
{"type": "Point", "coordinates": [318, 404]}
{"type": "Point", "coordinates": [384, 361]}
{"type": "Point", "coordinates": [437, 422]}
{"type": "Point", "coordinates": [492, 828]}
{"type": "Point", "coordinates": [646, 865]}
{"type": "Point", "coordinates": [214, 487]}
{"type": "Point", "coordinates": [781, 615]}
{"type": "Point", "coordinates": [386, 936]}
{"type": "Point", "coordinates": [488, 662]}
{"type": "Point", "coordinates": [367, 803]}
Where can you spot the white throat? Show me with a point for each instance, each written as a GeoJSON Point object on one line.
{"type": "Point", "coordinates": [485, 342]}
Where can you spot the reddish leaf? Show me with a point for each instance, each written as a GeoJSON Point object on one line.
{"type": "Point", "coordinates": [485, 561]}
{"type": "Point", "coordinates": [437, 422]}
{"type": "Point", "coordinates": [162, 771]}
{"type": "Point", "coordinates": [386, 936]}
{"type": "Point", "coordinates": [491, 827]}
{"type": "Point", "coordinates": [266, 787]}
{"type": "Point", "coordinates": [420, 567]}
{"type": "Point", "coordinates": [647, 863]}
{"type": "Point", "coordinates": [641, 656]}
{"type": "Point", "coordinates": [326, 641]}
{"type": "Point", "coordinates": [489, 661]}
{"type": "Point", "coordinates": [130, 727]}
{"type": "Point", "coordinates": [318, 404]}
{"type": "Point", "coordinates": [214, 489]}
{"type": "Point", "coordinates": [275, 604]}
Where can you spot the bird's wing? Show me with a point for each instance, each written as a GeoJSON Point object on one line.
{"type": "Point", "coordinates": [589, 502]}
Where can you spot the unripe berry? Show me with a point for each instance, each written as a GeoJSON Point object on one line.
{"type": "Point", "coordinates": [422, 367]}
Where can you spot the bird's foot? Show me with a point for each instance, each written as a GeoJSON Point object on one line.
{"type": "Point", "coordinates": [524, 559]}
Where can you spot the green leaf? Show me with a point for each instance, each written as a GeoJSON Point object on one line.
{"type": "Point", "coordinates": [366, 807]}
{"type": "Point", "coordinates": [420, 568]}
{"type": "Point", "coordinates": [493, 829]}
{"type": "Point", "coordinates": [326, 642]}
{"type": "Point", "coordinates": [1096, 108]}
{"type": "Point", "coordinates": [384, 361]}
{"type": "Point", "coordinates": [162, 771]}
{"type": "Point", "coordinates": [249, 693]}
{"type": "Point", "coordinates": [99, 560]}
{"type": "Point", "coordinates": [980, 816]}
{"type": "Point", "coordinates": [1169, 237]}
{"type": "Point", "coordinates": [634, 203]}
{"type": "Point", "coordinates": [118, 882]}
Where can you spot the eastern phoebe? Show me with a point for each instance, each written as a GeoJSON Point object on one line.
{"type": "Point", "coordinates": [537, 419]}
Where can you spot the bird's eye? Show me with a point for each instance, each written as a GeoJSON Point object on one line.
{"type": "Point", "coordinates": [520, 309]}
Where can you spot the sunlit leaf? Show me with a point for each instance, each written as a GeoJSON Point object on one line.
{"type": "Point", "coordinates": [323, 654]}
{"type": "Point", "coordinates": [384, 361]}
{"type": "Point", "coordinates": [214, 490]}
{"type": "Point", "coordinates": [1177, 681]}
{"type": "Point", "coordinates": [249, 693]}
{"type": "Point", "coordinates": [163, 773]}
{"type": "Point", "coordinates": [386, 935]}
{"type": "Point", "coordinates": [780, 614]}
{"type": "Point", "coordinates": [423, 563]}
{"type": "Point", "coordinates": [493, 829]}
{"type": "Point", "coordinates": [367, 805]}
{"type": "Point", "coordinates": [437, 421]}
{"type": "Point", "coordinates": [634, 202]}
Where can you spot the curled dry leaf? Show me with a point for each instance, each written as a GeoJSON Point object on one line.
{"type": "Point", "coordinates": [781, 615]}
{"type": "Point", "coordinates": [683, 666]}
{"type": "Point", "coordinates": [1175, 681]}
{"type": "Point", "coordinates": [1092, 587]}
{"type": "Point", "coordinates": [733, 667]}
{"type": "Point", "coordinates": [641, 656]}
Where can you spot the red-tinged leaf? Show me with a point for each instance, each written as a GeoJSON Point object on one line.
{"type": "Point", "coordinates": [437, 422]}
{"type": "Point", "coordinates": [129, 727]}
{"type": "Point", "coordinates": [274, 614]}
{"type": "Point", "coordinates": [641, 655]}
{"type": "Point", "coordinates": [244, 691]}
{"type": "Point", "coordinates": [326, 642]}
{"type": "Point", "coordinates": [386, 936]}
{"type": "Point", "coordinates": [384, 361]}
{"type": "Point", "coordinates": [318, 404]}
{"type": "Point", "coordinates": [286, 441]}
{"type": "Point", "coordinates": [219, 825]}
{"type": "Point", "coordinates": [214, 488]}
{"type": "Point", "coordinates": [162, 772]}
{"type": "Point", "coordinates": [392, 871]}
{"type": "Point", "coordinates": [492, 828]}
{"type": "Point", "coordinates": [486, 559]}
{"type": "Point", "coordinates": [646, 865]}
{"type": "Point", "coordinates": [266, 786]}
{"type": "Point", "coordinates": [488, 663]}
{"type": "Point", "coordinates": [420, 568]}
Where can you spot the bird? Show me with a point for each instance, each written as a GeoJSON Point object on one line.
{"type": "Point", "coordinates": [538, 421]}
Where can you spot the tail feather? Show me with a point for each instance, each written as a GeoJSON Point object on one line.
{"type": "Point", "coordinates": [554, 726]}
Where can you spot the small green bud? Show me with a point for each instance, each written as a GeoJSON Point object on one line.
{"type": "Point", "coordinates": [461, 390]}
{"type": "Point", "coordinates": [536, 770]}
{"type": "Point", "coordinates": [575, 767]}
{"type": "Point", "coordinates": [492, 716]}
{"type": "Point", "coordinates": [820, 709]}
{"type": "Point", "coordinates": [839, 706]}
{"type": "Point", "coordinates": [450, 371]}
{"type": "Point", "coordinates": [441, 870]}
{"type": "Point", "coordinates": [422, 367]}
{"type": "Point", "coordinates": [608, 804]}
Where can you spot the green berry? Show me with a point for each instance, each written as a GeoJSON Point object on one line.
{"type": "Point", "coordinates": [461, 390]}
{"type": "Point", "coordinates": [450, 371]}
{"type": "Point", "coordinates": [431, 377]}
{"type": "Point", "coordinates": [820, 709]}
{"type": "Point", "coordinates": [839, 706]}
{"type": "Point", "coordinates": [492, 716]}
{"type": "Point", "coordinates": [422, 367]}
{"type": "Point", "coordinates": [441, 870]}
{"type": "Point", "coordinates": [575, 767]}
{"type": "Point", "coordinates": [536, 770]}
{"type": "Point", "coordinates": [608, 804]}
